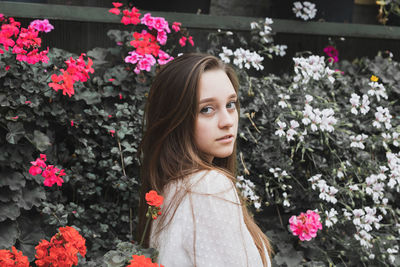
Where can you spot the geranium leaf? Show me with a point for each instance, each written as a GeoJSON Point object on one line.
{"type": "Point", "coordinates": [41, 141]}
{"type": "Point", "coordinates": [8, 234]}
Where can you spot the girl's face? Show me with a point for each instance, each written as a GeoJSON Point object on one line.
{"type": "Point", "coordinates": [217, 118]}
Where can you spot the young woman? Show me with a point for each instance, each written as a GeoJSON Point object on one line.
{"type": "Point", "coordinates": [188, 155]}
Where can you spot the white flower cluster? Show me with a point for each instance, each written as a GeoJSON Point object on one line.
{"type": "Point", "coordinates": [278, 172]}
{"type": "Point", "coordinates": [394, 139]}
{"type": "Point", "coordinates": [375, 185]}
{"type": "Point", "coordinates": [378, 90]}
{"type": "Point", "coordinates": [286, 202]}
{"type": "Point", "coordinates": [280, 175]}
{"type": "Point", "coordinates": [331, 218]}
{"type": "Point", "coordinates": [355, 103]}
{"type": "Point", "coordinates": [319, 119]}
{"type": "Point", "coordinates": [341, 169]}
{"type": "Point", "coordinates": [290, 133]}
{"type": "Point", "coordinates": [357, 141]}
{"type": "Point", "coordinates": [382, 116]}
{"type": "Point", "coordinates": [392, 251]}
{"type": "Point", "coordinates": [305, 10]}
{"type": "Point", "coordinates": [394, 167]}
{"type": "Point", "coordinates": [282, 102]}
{"type": "Point", "coordinates": [242, 58]}
{"type": "Point", "coordinates": [279, 50]}
{"type": "Point", "coordinates": [247, 188]}
{"type": "Point", "coordinates": [312, 67]}
{"type": "Point", "coordinates": [265, 34]}
{"type": "Point", "coordinates": [364, 219]}
{"type": "Point", "coordinates": [327, 193]}
{"type": "Point", "coordinates": [265, 30]}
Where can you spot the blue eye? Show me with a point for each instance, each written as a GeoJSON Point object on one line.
{"type": "Point", "coordinates": [232, 105]}
{"type": "Point", "coordinates": [206, 110]}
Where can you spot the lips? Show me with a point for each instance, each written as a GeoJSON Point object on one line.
{"type": "Point", "coordinates": [225, 137]}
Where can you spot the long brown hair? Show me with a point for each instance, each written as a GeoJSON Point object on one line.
{"type": "Point", "coordinates": [168, 151]}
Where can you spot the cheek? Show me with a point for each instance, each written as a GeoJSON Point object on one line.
{"type": "Point", "coordinates": [201, 131]}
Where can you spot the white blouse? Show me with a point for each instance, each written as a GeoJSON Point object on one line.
{"type": "Point", "coordinates": [217, 236]}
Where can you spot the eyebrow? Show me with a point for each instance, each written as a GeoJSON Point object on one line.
{"type": "Point", "coordinates": [211, 99]}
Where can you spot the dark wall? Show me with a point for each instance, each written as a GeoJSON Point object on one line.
{"type": "Point", "coordinates": [80, 37]}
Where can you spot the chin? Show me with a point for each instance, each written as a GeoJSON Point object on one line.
{"type": "Point", "coordinates": [223, 154]}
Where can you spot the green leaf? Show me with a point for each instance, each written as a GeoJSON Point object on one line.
{"type": "Point", "coordinates": [8, 234]}
{"type": "Point", "coordinates": [90, 97]}
{"type": "Point", "coordinates": [289, 256]}
{"type": "Point", "coordinates": [9, 211]}
{"type": "Point", "coordinates": [41, 141]}
{"type": "Point", "coordinates": [16, 132]}
{"type": "Point", "coordinates": [30, 234]}
{"type": "Point", "coordinates": [8, 195]}
{"type": "Point", "coordinates": [4, 101]}
{"type": "Point", "coordinates": [98, 56]}
{"type": "Point", "coordinates": [31, 197]}
{"type": "Point", "coordinates": [14, 180]}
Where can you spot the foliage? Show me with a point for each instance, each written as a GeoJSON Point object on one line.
{"type": "Point", "coordinates": [285, 168]}
{"type": "Point", "coordinates": [100, 190]}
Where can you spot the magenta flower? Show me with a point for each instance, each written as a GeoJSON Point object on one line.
{"type": "Point", "coordinates": [163, 58]}
{"type": "Point", "coordinates": [306, 225]}
{"type": "Point", "coordinates": [145, 63]}
{"type": "Point", "coordinates": [160, 24]}
{"type": "Point", "coordinates": [182, 41]}
{"type": "Point", "coordinates": [42, 25]}
{"type": "Point", "coordinates": [162, 37]}
{"type": "Point", "coordinates": [51, 174]}
{"type": "Point", "coordinates": [176, 26]}
{"type": "Point", "coordinates": [133, 58]}
{"type": "Point", "coordinates": [332, 53]}
{"type": "Point", "coordinates": [148, 20]}
{"type": "Point", "coordinates": [35, 170]}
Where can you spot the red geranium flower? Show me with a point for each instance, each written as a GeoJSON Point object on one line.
{"type": "Point", "coordinates": [153, 199]}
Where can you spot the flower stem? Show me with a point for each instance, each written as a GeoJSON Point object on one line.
{"type": "Point", "coordinates": [144, 232]}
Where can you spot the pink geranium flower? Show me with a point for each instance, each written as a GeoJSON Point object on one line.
{"type": "Point", "coordinates": [332, 53]}
{"type": "Point", "coordinates": [182, 41]}
{"type": "Point", "coordinates": [160, 24]}
{"type": "Point", "coordinates": [190, 40]}
{"type": "Point", "coordinates": [176, 26]}
{"type": "Point", "coordinates": [35, 170]}
{"type": "Point", "coordinates": [42, 25]}
{"type": "Point", "coordinates": [306, 225]}
{"type": "Point", "coordinates": [145, 63]}
{"type": "Point", "coordinates": [133, 58]}
{"type": "Point", "coordinates": [162, 37]}
{"type": "Point", "coordinates": [163, 58]}
{"type": "Point", "coordinates": [148, 20]}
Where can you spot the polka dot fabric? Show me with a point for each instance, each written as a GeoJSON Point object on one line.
{"type": "Point", "coordinates": [207, 229]}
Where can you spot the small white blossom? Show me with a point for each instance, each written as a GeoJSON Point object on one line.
{"type": "Point", "coordinates": [331, 218]}
{"type": "Point", "coordinates": [282, 103]}
{"type": "Point", "coordinates": [226, 53]}
{"type": "Point", "coordinates": [354, 187]}
{"type": "Point", "coordinates": [378, 90]}
{"type": "Point", "coordinates": [382, 116]}
{"type": "Point", "coordinates": [355, 102]}
{"type": "Point", "coordinates": [281, 132]}
{"type": "Point", "coordinates": [305, 10]}
{"type": "Point", "coordinates": [357, 141]}
{"type": "Point", "coordinates": [311, 68]}
{"type": "Point", "coordinates": [247, 188]}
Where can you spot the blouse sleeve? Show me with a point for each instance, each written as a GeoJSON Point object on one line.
{"type": "Point", "coordinates": [216, 234]}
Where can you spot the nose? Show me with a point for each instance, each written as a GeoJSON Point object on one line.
{"type": "Point", "coordinates": [226, 118]}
